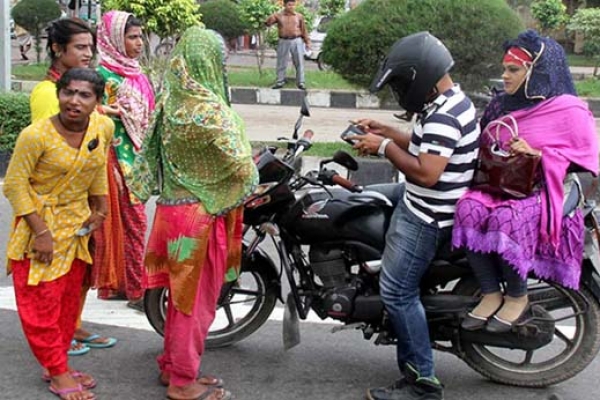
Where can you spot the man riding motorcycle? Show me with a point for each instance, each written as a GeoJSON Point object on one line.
{"type": "Point", "coordinates": [438, 159]}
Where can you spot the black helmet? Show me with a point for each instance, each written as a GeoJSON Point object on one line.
{"type": "Point", "coordinates": [412, 68]}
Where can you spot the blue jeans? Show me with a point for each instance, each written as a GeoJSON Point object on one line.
{"type": "Point", "coordinates": [411, 245]}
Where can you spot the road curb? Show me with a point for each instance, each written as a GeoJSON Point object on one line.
{"type": "Point", "coordinates": [293, 97]}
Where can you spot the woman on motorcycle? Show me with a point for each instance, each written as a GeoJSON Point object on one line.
{"type": "Point", "coordinates": [507, 238]}
{"type": "Point", "coordinates": [199, 154]}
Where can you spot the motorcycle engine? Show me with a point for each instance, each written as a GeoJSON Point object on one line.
{"type": "Point", "coordinates": [337, 299]}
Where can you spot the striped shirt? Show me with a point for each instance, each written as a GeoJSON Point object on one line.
{"type": "Point", "coordinates": [449, 129]}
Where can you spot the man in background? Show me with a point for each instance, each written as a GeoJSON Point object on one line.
{"type": "Point", "coordinates": [293, 38]}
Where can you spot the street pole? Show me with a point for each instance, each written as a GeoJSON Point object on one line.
{"type": "Point", "coordinates": [5, 46]}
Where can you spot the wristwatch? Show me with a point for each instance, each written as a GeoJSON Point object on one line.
{"type": "Point", "coordinates": [382, 146]}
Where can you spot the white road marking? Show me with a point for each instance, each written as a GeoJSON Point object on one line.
{"type": "Point", "coordinates": [116, 313]}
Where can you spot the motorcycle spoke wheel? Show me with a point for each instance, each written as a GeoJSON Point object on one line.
{"type": "Point", "coordinates": [575, 343]}
{"type": "Point", "coordinates": [242, 302]}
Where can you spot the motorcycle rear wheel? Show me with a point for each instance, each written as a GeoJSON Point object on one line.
{"type": "Point", "coordinates": [243, 307]}
{"type": "Point", "coordinates": [575, 344]}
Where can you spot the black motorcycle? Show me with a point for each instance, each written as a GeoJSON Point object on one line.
{"type": "Point", "coordinates": [329, 242]}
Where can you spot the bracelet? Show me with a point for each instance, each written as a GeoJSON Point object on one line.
{"type": "Point", "coordinates": [382, 147]}
{"type": "Point", "coordinates": [37, 235]}
{"type": "Point", "coordinates": [101, 214]}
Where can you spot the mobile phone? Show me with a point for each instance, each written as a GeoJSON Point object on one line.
{"type": "Point", "coordinates": [352, 129]}
{"type": "Point", "coordinates": [83, 231]}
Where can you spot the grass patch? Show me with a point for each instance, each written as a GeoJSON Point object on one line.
{"type": "Point", "coordinates": [589, 87]}
{"type": "Point", "coordinates": [238, 76]}
{"type": "Point", "coordinates": [318, 149]}
{"type": "Point", "coordinates": [31, 72]}
{"type": "Point", "coordinates": [579, 60]}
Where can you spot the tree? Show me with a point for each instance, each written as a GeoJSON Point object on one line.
{"type": "Point", "coordinates": [331, 8]}
{"type": "Point", "coordinates": [550, 14]}
{"type": "Point", "coordinates": [223, 16]}
{"type": "Point", "coordinates": [254, 13]}
{"type": "Point", "coordinates": [165, 18]}
{"type": "Point", "coordinates": [587, 21]}
{"type": "Point", "coordinates": [358, 40]}
{"type": "Point", "coordinates": [34, 16]}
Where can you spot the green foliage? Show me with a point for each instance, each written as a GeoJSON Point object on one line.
{"type": "Point", "coordinates": [587, 21]}
{"type": "Point", "coordinates": [14, 108]}
{"type": "Point", "coordinates": [331, 8]}
{"type": "Point", "coordinates": [254, 13]}
{"type": "Point", "coordinates": [474, 31]}
{"type": "Point", "coordinates": [550, 14]}
{"type": "Point", "coordinates": [223, 16]}
{"type": "Point", "coordinates": [34, 16]}
{"type": "Point", "coordinates": [588, 87]}
{"type": "Point", "coordinates": [162, 17]}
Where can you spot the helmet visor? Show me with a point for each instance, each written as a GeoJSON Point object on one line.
{"type": "Point", "coordinates": [399, 88]}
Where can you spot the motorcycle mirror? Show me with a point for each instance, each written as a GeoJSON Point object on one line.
{"type": "Point", "coordinates": [305, 107]}
{"type": "Point", "coordinates": [304, 112]}
{"type": "Point", "coordinates": [345, 160]}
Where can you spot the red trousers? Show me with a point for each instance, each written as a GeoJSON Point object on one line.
{"type": "Point", "coordinates": [48, 313]}
{"type": "Point", "coordinates": [185, 334]}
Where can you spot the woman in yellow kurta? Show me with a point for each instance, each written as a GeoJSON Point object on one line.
{"type": "Point", "coordinates": [56, 183]}
{"type": "Point", "coordinates": [71, 44]}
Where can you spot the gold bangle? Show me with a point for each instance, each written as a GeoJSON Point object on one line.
{"type": "Point", "coordinates": [37, 235]}
{"type": "Point", "coordinates": [101, 214]}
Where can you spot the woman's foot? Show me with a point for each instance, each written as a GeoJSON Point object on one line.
{"type": "Point", "coordinates": [197, 391]}
{"type": "Point", "coordinates": [92, 340]}
{"type": "Point", "coordinates": [511, 312]}
{"type": "Point", "coordinates": [206, 380]}
{"type": "Point", "coordinates": [85, 380]}
{"type": "Point", "coordinates": [477, 319]}
{"type": "Point", "coordinates": [65, 387]}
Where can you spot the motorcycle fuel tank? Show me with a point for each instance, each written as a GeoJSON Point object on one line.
{"type": "Point", "coordinates": [318, 218]}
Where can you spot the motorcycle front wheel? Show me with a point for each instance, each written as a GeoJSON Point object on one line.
{"type": "Point", "coordinates": [575, 343]}
{"type": "Point", "coordinates": [243, 306]}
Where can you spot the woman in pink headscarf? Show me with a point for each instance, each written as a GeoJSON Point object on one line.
{"type": "Point", "coordinates": [120, 244]}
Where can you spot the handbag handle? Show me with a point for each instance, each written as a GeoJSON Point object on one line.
{"type": "Point", "coordinates": [514, 129]}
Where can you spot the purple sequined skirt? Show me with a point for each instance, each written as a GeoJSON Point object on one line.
{"type": "Point", "coordinates": [511, 228]}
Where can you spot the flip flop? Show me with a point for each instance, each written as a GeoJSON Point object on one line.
{"type": "Point", "coordinates": [66, 391]}
{"type": "Point", "coordinates": [209, 392]}
{"type": "Point", "coordinates": [89, 342]}
{"type": "Point", "coordinates": [217, 382]}
{"type": "Point", "coordinates": [84, 349]}
{"type": "Point", "coordinates": [75, 374]}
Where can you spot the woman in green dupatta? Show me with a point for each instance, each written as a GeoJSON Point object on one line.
{"type": "Point", "coordinates": [199, 155]}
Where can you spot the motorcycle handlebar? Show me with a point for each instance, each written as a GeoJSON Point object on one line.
{"type": "Point", "coordinates": [304, 143]}
{"type": "Point", "coordinates": [346, 184]}
{"type": "Point", "coordinates": [308, 135]}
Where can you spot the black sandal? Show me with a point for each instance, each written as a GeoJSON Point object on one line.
{"type": "Point", "coordinates": [499, 325]}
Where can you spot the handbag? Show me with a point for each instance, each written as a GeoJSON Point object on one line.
{"type": "Point", "coordinates": [502, 173]}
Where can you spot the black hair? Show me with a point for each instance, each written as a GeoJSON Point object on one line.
{"type": "Point", "coordinates": [61, 31]}
{"type": "Point", "coordinates": [288, 1]}
{"type": "Point", "coordinates": [131, 22]}
{"type": "Point", "coordinates": [82, 74]}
